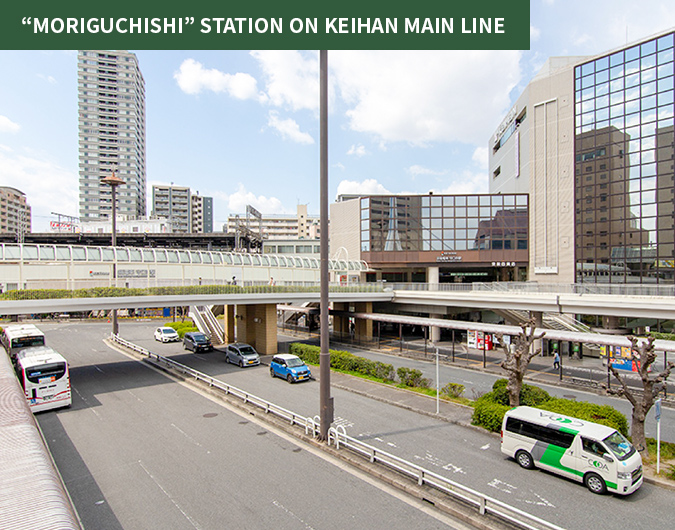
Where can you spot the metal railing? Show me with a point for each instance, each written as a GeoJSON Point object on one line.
{"type": "Point", "coordinates": [338, 437]}
{"type": "Point", "coordinates": [542, 288]}
{"type": "Point", "coordinates": [310, 424]}
{"type": "Point", "coordinates": [484, 504]}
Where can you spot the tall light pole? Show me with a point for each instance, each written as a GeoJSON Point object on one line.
{"type": "Point", "coordinates": [113, 181]}
{"type": "Point", "coordinates": [325, 401]}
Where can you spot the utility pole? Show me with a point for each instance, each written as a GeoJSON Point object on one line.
{"type": "Point", "coordinates": [325, 400]}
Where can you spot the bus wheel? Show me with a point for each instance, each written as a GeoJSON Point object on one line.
{"type": "Point", "coordinates": [595, 483]}
{"type": "Point", "coordinates": [524, 459]}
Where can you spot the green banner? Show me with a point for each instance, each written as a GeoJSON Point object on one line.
{"type": "Point", "coordinates": [266, 24]}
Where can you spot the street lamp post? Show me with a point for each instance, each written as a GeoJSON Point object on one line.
{"type": "Point", "coordinates": [113, 181]}
{"type": "Point", "coordinates": [325, 400]}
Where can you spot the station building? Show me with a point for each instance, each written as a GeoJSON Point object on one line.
{"type": "Point", "coordinates": [590, 140]}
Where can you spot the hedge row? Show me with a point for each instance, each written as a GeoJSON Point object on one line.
{"type": "Point", "coordinates": [490, 408]}
{"type": "Point", "coordinates": [344, 361]}
{"type": "Point", "coordinates": [182, 327]}
{"type": "Point", "coordinates": [112, 292]}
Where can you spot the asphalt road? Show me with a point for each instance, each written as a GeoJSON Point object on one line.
{"type": "Point", "coordinates": [476, 382]}
{"type": "Point", "coordinates": [138, 450]}
{"type": "Point", "coordinates": [469, 456]}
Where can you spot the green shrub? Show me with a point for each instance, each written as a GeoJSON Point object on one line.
{"type": "Point", "coordinates": [412, 377]}
{"type": "Point", "coordinates": [182, 327]}
{"type": "Point", "coordinates": [667, 449]}
{"type": "Point", "coordinates": [488, 414]}
{"type": "Point", "coordinates": [344, 361]}
{"type": "Point", "coordinates": [453, 390]}
{"type": "Point", "coordinates": [530, 395]}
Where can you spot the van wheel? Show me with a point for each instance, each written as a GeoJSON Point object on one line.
{"type": "Point", "coordinates": [595, 483]}
{"type": "Point", "coordinates": [524, 459]}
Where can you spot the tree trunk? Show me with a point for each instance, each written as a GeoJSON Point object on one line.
{"type": "Point", "coordinates": [514, 386]}
{"type": "Point", "coordinates": [637, 431]}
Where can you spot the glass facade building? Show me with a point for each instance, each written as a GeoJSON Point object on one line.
{"type": "Point", "coordinates": [624, 175]}
{"type": "Point", "coordinates": [453, 232]}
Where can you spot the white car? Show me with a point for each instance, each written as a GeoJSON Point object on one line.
{"type": "Point", "coordinates": [166, 335]}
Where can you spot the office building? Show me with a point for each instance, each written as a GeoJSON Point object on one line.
{"type": "Point", "coordinates": [591, 140]}
{"type": "Point", "coordinates": [15, 214]}
{"type": "Point", "coordinates": [111, 125]}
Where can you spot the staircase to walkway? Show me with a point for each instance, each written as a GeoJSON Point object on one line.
{"type": "Point", "coordinates": [207, 323]}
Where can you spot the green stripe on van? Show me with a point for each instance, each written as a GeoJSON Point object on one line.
{"type": "Point", "coordinates": [552, 456]}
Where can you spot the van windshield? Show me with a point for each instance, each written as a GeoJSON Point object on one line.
{"type": "Point", "coordinates": [618, 444]}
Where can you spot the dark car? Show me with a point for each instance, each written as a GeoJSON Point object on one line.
{"type": "Point", "coordinates": [196, 341]}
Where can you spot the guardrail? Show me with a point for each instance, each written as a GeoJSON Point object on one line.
{"type": "Point", "coordinates": [338, 437]}
{"type": "Point", "coordinates": [310, 424]}
{"type": "Point", "coordinates": [484, 504]}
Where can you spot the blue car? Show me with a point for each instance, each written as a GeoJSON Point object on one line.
{"type": "Point", "coordinates": [289, 367]}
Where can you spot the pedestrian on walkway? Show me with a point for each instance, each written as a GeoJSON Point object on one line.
{"type": "Point", "coordinates": [556, 361]}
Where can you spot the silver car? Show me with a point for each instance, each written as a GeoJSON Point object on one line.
{"type": "Point", "coordinates": [241, 354]}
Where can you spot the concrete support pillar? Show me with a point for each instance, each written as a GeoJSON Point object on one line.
{"type": "Point", "coordinates": [228, 323]}
{"type": "Point", "coordinates": [433, 275]}
{"type": "Point", "coordinates": [538, 323]}
{"type": "Point", "coordinates": [242, 324]}
{"type": "Point", "coordinates": [610, 322]}
{"type": "Point", "coordinates": [364, 328]}
{"type": "Point", "coordinates": [340, 323]}
{"type": "Point", "coordinates": [258, 327]}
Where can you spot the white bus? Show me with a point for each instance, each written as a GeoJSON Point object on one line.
{"type": "Point", "coordinates": [597, 455]}
{"type": "Point", "coordinates": [15, 337]}
{"type": "Point", "coordinates": [45, 378]}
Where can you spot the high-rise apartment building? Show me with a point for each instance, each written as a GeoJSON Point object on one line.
{"type": "Point", "coordinates": [111, 106]}
{"type": "Point", "coordinates": [173, 203]}
{"type": "Point", "coordinates": [591, 139]}
{"type": "Point", "coordinates": [187, 213]}
{"type": "Point", "coordinates": [202, 214]}
{"type": "Point", "coordinates": [15, 216]}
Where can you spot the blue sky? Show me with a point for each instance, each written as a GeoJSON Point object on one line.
{"type": "Point", "coordinates": [243, 127]}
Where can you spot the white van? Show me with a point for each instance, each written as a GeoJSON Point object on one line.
{"type": "Point", "coordinates": [597, 455]}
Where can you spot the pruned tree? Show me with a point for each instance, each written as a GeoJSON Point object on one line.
{"type": "Point", "coordinates": [518, 356]}
{"type": "Point", "coordinates": [643, 357]}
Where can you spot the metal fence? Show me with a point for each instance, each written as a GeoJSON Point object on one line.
{"type": "Point", "coordinates": [337, 436]}
{"type": "Point", "coordinates": [483, 503]}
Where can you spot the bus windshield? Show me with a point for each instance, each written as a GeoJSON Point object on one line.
{"type": "Point", "coordinates": [618, 444]}
{"type": "Point", "coordinates": [25, 342]}
{"type": "Point", "coordinates": [53, 371]}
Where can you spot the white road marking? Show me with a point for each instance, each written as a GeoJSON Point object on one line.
{"type": "Point", "coordinates": [186, 435]}
{"type": "Point", "coordinates": [390, 444]}
{"type": "Point", "coordinates": [485, 447]}
{"type": "Point", "coordinates": [289, 512]}
{"type": "Point", "coordinates": [192, 521]}
{"type": "Point", "coordinates": [540, 502]}
{"type": "Point", "coordinates": [99, 369]}
{"type": "Point", "coordinates": [437, 462]}
{"type": "Point", "coordinates": [502, 486]}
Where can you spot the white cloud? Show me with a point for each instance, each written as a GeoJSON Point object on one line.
{"type": "Point", "coordinates": [289, 129]}
{"type": "Point", "coordinates": [47, 185]}
{"type": "Point", "coordinates": [339, 166]}
{"type": "Point", "coordinates": [416, 170]}
{"type": "Point", "coordinates": [193, 78]}
{"type": "Point", "coordinates": [8, 126]}
{"type": "Point", "coordinates": [467, 182]}
{"type": "Point", "coordinates": [357, 150]}
{"type": "Point", "coordinates": [481, 158]}
{"type": "Point", "coordinates": [365, 187]}
{"type": "Point", "coordinates": [237, 201]}
{"type": "Point", "coordinates": [47, 78]}
{"type": "Point", "coordinates": [535, 33]}
{"type": "Point", "coordinates": [291, 78]}
{"type": "Point", "coordinates": [458, 99]}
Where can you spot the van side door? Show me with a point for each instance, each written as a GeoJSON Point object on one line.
{"type": "Point", "coordinates": [592, 458]}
